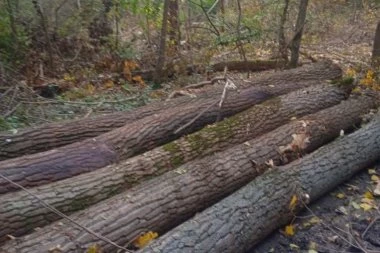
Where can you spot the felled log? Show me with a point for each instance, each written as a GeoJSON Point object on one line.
{"type": "Point", "coordinates": [132, 139]}
{"type": "Point", "coordinates": [167, 200]}
{"type": "Point", "coordinates": [248, 66]}
{"type": "Point", "coordinates": [49, 136]}
{"type": "Point", "coordinates": [240, 221]}
{"type": "Point", "coordinates": [101, 184]}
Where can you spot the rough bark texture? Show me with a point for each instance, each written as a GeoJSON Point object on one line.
{"type": "Point", "coordinates": [132, 139]}
{"type": "Point", "coordinates": [81, 191]}
{"type": "Point", "coordinates": [168, 200]}
{"type": "Point", "coordinates": [240, 221]}
{"type": "Point", "coordinates": [54, 135]}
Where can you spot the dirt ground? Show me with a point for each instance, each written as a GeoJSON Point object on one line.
{"type": "Point", "coordinates": [335, 223]}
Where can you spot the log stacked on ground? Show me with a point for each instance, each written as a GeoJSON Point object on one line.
{"type": "Point", "coordinates": [49, 136]}
{"type": "Point", "coordinates": [168, 200]}
{"type": "Point", "coordinates": [130, 140]}
{"type": "Point", "coordinates": [240, 221]}
{"type": "Point", "coordinates": [81, 191]}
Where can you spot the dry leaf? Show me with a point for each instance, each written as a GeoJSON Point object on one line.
{"type": "Point", "coordinates": [375, 178]}
{"type": "Point", "coordinates": [293, 202]}
{"type": "Point", "coordinates": [368, 195]}
{"type": "Point", "coordinates": [289, 230]}
{"type": "Point", "coordinates": [299, 142]}
{"type": "Point", "coordinates": [371, 171]}
{"type": "Point", "coordinates": [340, 196]}
{"type": "Point", "coordinates": [365, 206]}
{"type": "Point", "coordinates": [144, 239]}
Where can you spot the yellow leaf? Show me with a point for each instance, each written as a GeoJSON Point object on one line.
{"type": "Point", "coordinates": [289, 230]}
{"type": "Point", "coordinates": [293, 202]}
{"type": "Point", "coordinates": [294, 246]}
{"type": "Point", "coordinates": [375, 178]}
{"type": "Point", "coordinates": [139, 80]}
{"type": "Point", "coordinates": [340, 196]}
{"type": "Point", "coordinates": [94, 249]}
{"type": "Point", "coordinates": [109, 84]}
{"type": "Point", "coordinates": [365, 206]}
{"type": "Point", "coordinates": [144, 239]}
{"type": "Point", "coordinates": [89, 88]}
{"type": "Point", "coordinates": [368, 195]}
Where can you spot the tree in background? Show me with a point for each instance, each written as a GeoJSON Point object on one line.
{"type": "Point", "coordinates": [296, 42]}
{"type": "Point", "coordinates": [376, 48]}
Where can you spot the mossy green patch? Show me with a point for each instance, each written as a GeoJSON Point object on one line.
{"type": "Point", "coordinates": [176, 155]}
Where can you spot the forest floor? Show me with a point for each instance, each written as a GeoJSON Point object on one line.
{"type": "Point", "coordinates": [340, 221]}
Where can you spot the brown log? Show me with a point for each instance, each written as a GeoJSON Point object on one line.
{"type": "Point", "coordinates": [241, 66]}
{"type": "Point", "coordinates": [101, 184]}
{"type": "Point", "coordinates": [166, 201]}
{"type": "Point", "coordinates": [49, 136]}
{"type": "Point", "coordinates": [132, 139]}
{"type": "Point", "coordinates": [241, 220]}
{"type": "Point", "coordinates": [247, 66]}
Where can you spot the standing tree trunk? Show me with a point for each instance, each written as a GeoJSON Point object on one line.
{"type": "Point", "coordinates": [282, 44]}
{"type": "Point", "coordinates": [173, 26]}
{"type": "Point", "coordinates": [296, 42]}
{"type": "Point", "coordinates": [101, 184]}
{"type": "Point", "coordinates": [376, 48]}
{"type": "Point", "coordinates": [168, 200]}
{"type": "Point", "coordinates": [241, 220]}
{"type": "Point", "coordinates": [160, 64]}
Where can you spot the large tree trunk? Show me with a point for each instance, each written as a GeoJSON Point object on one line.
{"type": "Point", "coordinates": [108, 181]}
{"type": "Point", "coordinates": [166, 201]}
{"type": "Point", "coordinates": [240, 221]}
{"type": "Point", "coordinates": [130, 140]}
{"type": "Point", "coordinates": [54, 135]}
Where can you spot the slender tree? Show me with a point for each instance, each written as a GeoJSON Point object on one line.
{"type": "Point", "coordinates": [376, 48]}
{"type": "Point", "coordinates": [296, 42]}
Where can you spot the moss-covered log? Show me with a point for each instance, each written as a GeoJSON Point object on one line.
{"type": "Point", "coordinates": [241, 220]}
{"type": "Point", "coordinates": [49, 136]}
{"type": "Point", "coordinates": [81, 191]}
{"type": "Point", "coordinates": [166, 201]}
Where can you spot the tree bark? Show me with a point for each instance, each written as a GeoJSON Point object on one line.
{"type": "Point", "coordinates": [168, 200]}
{"type": "Point", "coordinates": [376, 48]}
{"type": "Point", "coordinates": [240, 221]}
{"type": "Point", "coordinates": [296, 42]}
{"type": "Point", "coordinates": [282, 44]}
{"type": "Point", "coordinates": [98, 185]}
{"type": "Point", "coordinates": [160, 65]}
{"type": "Point", "coordinates": [49, 136]}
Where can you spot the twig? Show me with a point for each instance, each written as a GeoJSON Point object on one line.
{"type": "Point", "coordinates": [195, 118]}
{"type": "Point", "coordinates": [204, 83]}
{"type": "Point", "coordinates": [369, 226]}
{"type": "Point", "coordinates": [62, 215]}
